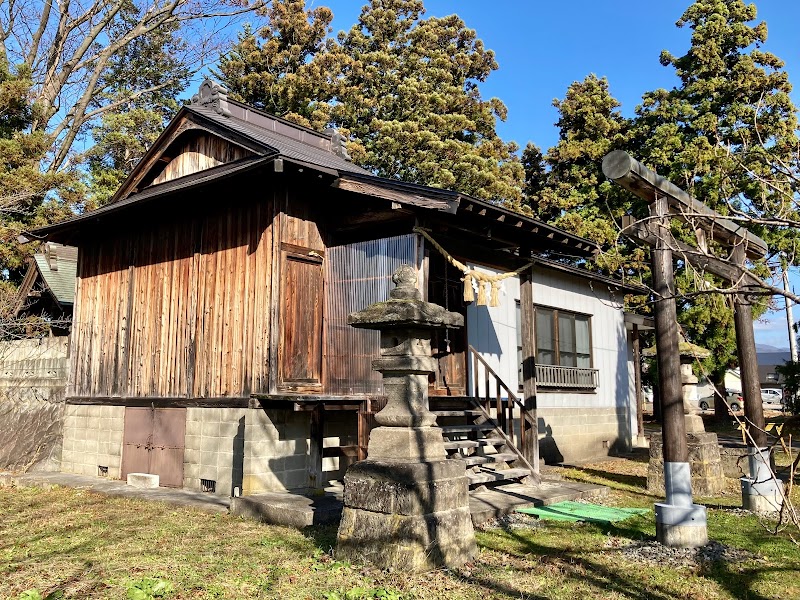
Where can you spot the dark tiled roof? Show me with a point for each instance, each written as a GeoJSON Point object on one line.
{"type": "Point", "coordinates": [256, 128]}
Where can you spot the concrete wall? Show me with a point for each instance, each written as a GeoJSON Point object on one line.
{"type": "Point", "coordinates": [255, 450]}
{"type": "Point", "coordinates": [575, 434]}
{"type": "Point", "coordinates": [32, 384]}
{"type": "Point", "coordinates": [214, 448]}
{"type": "Point", "coordinates": [575, 425]}
{"type": "Point", "coordinates": [93, 438]}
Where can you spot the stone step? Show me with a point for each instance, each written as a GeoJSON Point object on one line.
{"type": "Point", "coordinates": [491, 476]}
{"type": "Point", "coordinates": [468, 428]}
{"type": "Point", "coordinates": [499, 457]}
{"type": "Point", "coordinates": [458, 444]}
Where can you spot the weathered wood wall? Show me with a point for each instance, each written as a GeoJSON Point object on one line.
{"type": "Point", "coordinates": [177, 309]}
{"type": "Point", "coordinates": [227, 301]}
{"type": "Point", "coordinates": [197, 152]}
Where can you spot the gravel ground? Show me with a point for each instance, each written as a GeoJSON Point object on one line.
{"type": "Point", "coordinates": [646, 551]}
{"type": "Point", "coordinates": [652, 552]}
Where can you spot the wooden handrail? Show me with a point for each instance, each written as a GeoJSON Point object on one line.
{"type": "Point", "coordinates": [511, 395]}
{"type": "Point", "coordinates": [505, 411]}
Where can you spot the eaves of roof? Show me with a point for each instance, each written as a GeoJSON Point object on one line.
{"type": "Point", "coordinates": [630, 288]}
{"type": "Point", "coordinates": [152, 192]}
{"type": "Point", "coordinates": [61, 283]}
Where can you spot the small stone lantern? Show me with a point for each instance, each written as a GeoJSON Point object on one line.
{"type": "Point", "coordinates": [689, 353]}
{"type": "Point", "coordinates": [406, 506]}
{"type": "Point", "coordinates": [708, 478]}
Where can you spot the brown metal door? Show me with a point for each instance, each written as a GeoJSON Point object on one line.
{"type": "Point", "coordinates": [136, 440]}
{"type": "Point", "coordinates": [166, 455]}
{"type": "Point", "coordinates": [153, 442]}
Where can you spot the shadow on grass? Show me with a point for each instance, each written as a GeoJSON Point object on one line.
{"type": "Point", "coordinates": [608, 478]}
{"type": "Point", "coordinates": [622, 576]}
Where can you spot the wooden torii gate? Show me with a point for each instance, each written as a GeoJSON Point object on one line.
{"type": "Point", "coordinates": [681, 521]}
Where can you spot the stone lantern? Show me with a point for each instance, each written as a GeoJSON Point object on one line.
{"type": "Point", "coordinates": [688, 354]}
{"type": "Point", "coordinates": [406, 506]}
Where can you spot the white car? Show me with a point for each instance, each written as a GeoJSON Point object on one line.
{"type": "Point", "coordinates": [772, 397]}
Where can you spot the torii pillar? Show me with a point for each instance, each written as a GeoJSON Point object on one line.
{"type": "Point", "coordinates": [679, 521]}
{"type": "Point", "coordinates": [761, 491]}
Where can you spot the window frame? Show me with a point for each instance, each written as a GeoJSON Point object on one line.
{"type": "Point", "coordinates": [556, 334]}
{"type": "Point", "coordinates": [518, 308]}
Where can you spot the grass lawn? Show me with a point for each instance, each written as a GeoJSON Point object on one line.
{"type": "Point", "coordinates": [86, 545]}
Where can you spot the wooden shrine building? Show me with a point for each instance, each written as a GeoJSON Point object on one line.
{"type": "Point", "coordinates": [210, 343]}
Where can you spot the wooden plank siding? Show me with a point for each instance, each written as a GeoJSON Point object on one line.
{"type": "Point", "coordinates": [222, 297]}
{"type": "Point", "coordinates": [195, 152]}
{"type": "Point", "coordinates": [179, 309]}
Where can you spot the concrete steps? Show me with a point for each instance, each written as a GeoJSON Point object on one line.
{"type": "Point", "coordinates": [471, 437]}
{"type": "Point", "coordinates": [483, 475]}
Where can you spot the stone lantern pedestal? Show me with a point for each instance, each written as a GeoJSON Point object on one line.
{"type": "Point", "coordinates": [406, 506]}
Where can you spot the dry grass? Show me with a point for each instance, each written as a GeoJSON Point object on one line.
{"type": "Point", "coordinates": [91, 546]}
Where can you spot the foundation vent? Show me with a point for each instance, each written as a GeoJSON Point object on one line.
{"type": "Point", "coordinates": [208, 485]}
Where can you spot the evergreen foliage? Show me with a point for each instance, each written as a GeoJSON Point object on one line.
{"type": "Point", "coordinates": [284, 66]}
{"type": "Point", "coordinates": [403, 88]}
{"type": "Point", "coordinates": [150, 62]}
{"type": "Point", "coordinates": [726, 134]}
{"type": "Point", "coordinates": [719, 135]}
{"type": "Point", "coordinates": [29, 197]}
{"type": "Point", "coordinates": [590, 126]}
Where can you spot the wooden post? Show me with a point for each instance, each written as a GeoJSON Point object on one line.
{"type": "Point", "coordinates": [748, 362]}
{"type": "Point", "coordinates": [316, 439]}
{"type": "Point", "coordinates": [668, 355]}
{"type": "Point", "coordinates": [529, 433]}
{"type": "Point", "coordinates": [637, 378]}
{"type": "Point", "coordinates": [361, 428]}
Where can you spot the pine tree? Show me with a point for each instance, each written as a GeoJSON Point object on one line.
{"type": "Point", "coordinates": [403, 88]}
{"type": "Point", "coordinates": [409, 94]}
{"type": "Point", "coordinates": [720, 135]}
{"type": "Point", "coordinates": [28, 197]}
{"type": "Point", "coordinates": [283, 67]}
{"type": "Point", "coordinates": [731, 120]}
{"type": "Point", "coordinates": [576, 195]}
{"type": "Point", "coordinates": [141, 82]}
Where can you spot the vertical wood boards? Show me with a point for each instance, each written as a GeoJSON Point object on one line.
{"type": "Point", "coordinates": [198, 153]}
{"type": "Point", "coordinates": [300, 342]}
{"type": "Point", "coordinates": [180, 310]}
{"type": "Point", "coordinates": [221, 302]}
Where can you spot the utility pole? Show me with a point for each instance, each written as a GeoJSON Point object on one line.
{"type": "Point", "coordinates": [789, 317]}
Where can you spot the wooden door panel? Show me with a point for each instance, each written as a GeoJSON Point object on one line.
{"type": "Point", "coordinates": [449, 348]}
{"type": "Point", "coordinates": [300, 342]}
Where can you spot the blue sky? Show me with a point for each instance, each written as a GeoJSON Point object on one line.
{"type": "Point", "coordinates": [543, 46]}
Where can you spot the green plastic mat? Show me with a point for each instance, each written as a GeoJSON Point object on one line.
{"type": "Point", "coordinates": [580, 511]}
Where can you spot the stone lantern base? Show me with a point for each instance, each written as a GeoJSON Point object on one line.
{"type": "Point", "coordinates": [411, 516]}
{"type": "Point", "coordinates": [708, 478]}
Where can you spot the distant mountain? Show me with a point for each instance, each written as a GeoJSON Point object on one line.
{"type": "Point", "coordinates": [768, 348]}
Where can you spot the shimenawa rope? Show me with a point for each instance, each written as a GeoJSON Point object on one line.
{"type": "Point", "coordinates": [482, 279]}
